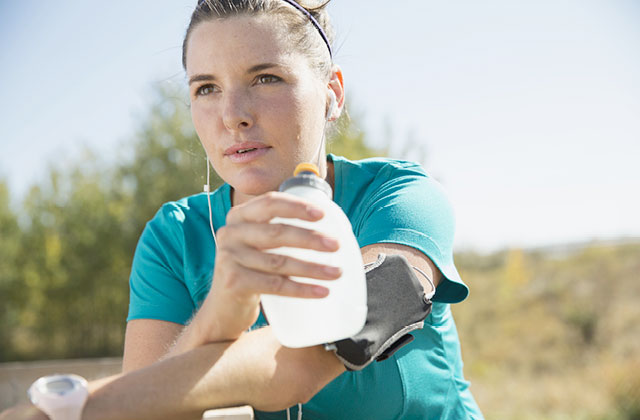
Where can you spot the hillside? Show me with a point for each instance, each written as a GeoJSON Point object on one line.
{"type": "Point", "coordinates": [553, 333]}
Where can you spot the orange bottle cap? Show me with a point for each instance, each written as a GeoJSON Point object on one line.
{"type": "Point", "coordinates": [306, 167]}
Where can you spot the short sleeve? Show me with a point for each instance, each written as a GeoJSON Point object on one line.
{"type": "Point", "coordinates": [157, 287]}
{"type": "Point", "coordinates": [410, 208]}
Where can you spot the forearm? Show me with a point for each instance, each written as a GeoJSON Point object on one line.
{"type": "Point", "coordinates": [191, 337]}
{"type": "Point", "coordinates": [253, 370]}
{"type": "Point", "coordinates": [213, 323]}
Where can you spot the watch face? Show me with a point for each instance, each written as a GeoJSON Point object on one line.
{"type": "Point", "coordinates": [59, 386]}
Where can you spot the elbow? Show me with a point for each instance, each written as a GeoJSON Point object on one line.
{"type": "Point", "coordinates": [299, 388]}
{"type": "Point", "coordinates": [305, 373]}
{"type": "Point", "coordinates": [312, 373]}
{"type": "Point", "coordinates": [306, 391]}
{"type": "Point", "coordinates": [284, 400]}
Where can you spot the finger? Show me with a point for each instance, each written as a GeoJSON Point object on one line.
{"type": "Point", "coordinates": [283, 265]}
{"type": "Point", "coordinates": [247, 281]}
{"type": "Point", "coordinates": [274, 204]}
{"type": "Point", "coordinates": [275, 235]}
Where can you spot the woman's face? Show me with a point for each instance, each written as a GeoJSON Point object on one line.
{"type": "Point", "coordinates": [257, 105]}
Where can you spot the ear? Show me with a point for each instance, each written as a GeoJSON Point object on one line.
{"type": "Point", "coordinates": [336, 85]}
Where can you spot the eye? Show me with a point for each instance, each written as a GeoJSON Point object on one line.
{"type": "Point", "coordinates": [267, 78]}
{"type": "Point", "coordinates": [205, 90]}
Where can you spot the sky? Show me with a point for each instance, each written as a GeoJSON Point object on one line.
{"type": "Point", "coordinates": [527, 112]}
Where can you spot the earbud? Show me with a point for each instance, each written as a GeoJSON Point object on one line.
{"type": "Point", "coordinates": [207, 186]}
{"type": "Point", "coordinates": [332, 105]}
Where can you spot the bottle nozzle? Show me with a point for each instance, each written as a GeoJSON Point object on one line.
{"type": "Point", "coordinates": [308, 175]}
{"type": "Point", "coordinates": [306, 167]}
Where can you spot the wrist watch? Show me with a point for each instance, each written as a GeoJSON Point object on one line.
{"type": "Point", "coordinates": [61, 397]}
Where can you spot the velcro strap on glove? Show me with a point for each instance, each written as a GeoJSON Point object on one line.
{"type": "Point", "coordinates": [397, 305]}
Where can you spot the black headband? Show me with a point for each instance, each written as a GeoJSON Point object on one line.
{"type": "Point", "coordinates": [315, 23]}
{"type": "Point", "coordinates": [308, 15]}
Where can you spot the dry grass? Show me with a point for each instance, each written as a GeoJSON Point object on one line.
{"type": "Point", "coordinates": [553, 336]}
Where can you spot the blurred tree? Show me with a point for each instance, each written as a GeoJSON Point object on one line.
{"type": "Point", "coordinates": [348, 139]}
{"type": "Point", "coordinates": [10, 293]}
{"type": "Point", "coordinates": [66, 272]}
{"type": "Point", "coordinates": [78, 265]}
{"type": "Point", "coordinates": [165, 161]}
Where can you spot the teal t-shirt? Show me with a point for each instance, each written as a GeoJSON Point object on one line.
{"type": "Point", "coordinates": [387, 201]}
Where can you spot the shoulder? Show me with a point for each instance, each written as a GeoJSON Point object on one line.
{"type": "Point", "coordinates": [396, 201]}
{"type": "Point", "coordinates": [178, 211]}
{"type": "Point", "coordinates": [179, 225]}
{"type": "Point", "coordinates": [374, 182]}
{"type": "Point", "coordinates": [378, 167]}
{"type": "Point", "coordinates": [189, 209]}
{"type": "Point", "coordinates": [358, 183]}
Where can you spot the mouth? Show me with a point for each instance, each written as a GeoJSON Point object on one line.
{"type": "Point", "coordinates": [243, 151]}
{"type": "Point", "coordinates": [246, 152]}
{"type": "Point", "coordinates": [245, 147]}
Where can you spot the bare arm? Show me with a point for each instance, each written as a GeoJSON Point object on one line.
{"type": "Point", "coordinates": [255, 369]}
{"type": "Point", "coordinates": [266, 375]}
{"type": "Point", "coordinates": [243, 271]}
{"type": "Point", "coordinates": [147, 341]}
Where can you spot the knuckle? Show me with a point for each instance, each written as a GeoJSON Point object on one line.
{"type": "Point", "coordinates": [267, 199]}
{"type": "Point", "coordinates": [276, 261]}
{"type": "Point", "coordinates": [223, 233]}
{"type": "Point", "coordinates": [232, 214]}
{"type": "Point", "coordinates": [275, 230]}
{"type": "Point", "coordinates": [275, 284]}
{"type": "Point", "coordinates": [270, 202]}
{"type": "Point", "coordinates": [224, 254]}
{"type": "Point", "coordinates": [271, 196]}
{"type": "Point", "coordinates": [233, 281]}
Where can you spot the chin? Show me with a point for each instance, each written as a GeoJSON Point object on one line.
{"type": "Point", "coordinates": [255, 185]}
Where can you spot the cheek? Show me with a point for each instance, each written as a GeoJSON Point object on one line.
{"type": "Point", "coordinates": [202, 121]}
{"type": "Point", "coordinates": [301, 113]}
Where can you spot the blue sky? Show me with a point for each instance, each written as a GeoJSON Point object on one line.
{"type": "Point", "coordinates": [529, 112]}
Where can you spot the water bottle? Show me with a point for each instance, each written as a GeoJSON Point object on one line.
{"type": "Point", "coordinates": [298, 322]}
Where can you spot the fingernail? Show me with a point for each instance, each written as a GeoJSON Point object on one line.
{"type": "Point", "coordinates": [332, 271]}
{"type": "Point", "coordinates": [330, 243]}
{"type": "Point", "coordinates": [320, 291]}
{"type": "Point", "coordinates": [314, 212]}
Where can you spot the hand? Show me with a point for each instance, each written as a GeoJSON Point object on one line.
{"type": "Point", "coordinates": [23, 412]}
{"type": "Point", "coordinates": [244, 270]}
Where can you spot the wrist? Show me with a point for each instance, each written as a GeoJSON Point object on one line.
{"type": "Point", "coordinates": [201, 330]}
{"type": "Point", "coordinates": [61, 397]}
{"type": "Point", "coordinates": [218, 321]}
{"type": "Point", "coordinates": [206, 326]}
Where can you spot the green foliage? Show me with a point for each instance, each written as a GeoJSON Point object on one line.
{"type": "Point", "coordinates": [64, 272]}
{"type": "Point", "coordinates": [10, 294]}
{"type": "Point", "coordinates": [348, 140]}
{"type": "Point", "coordinates": [539, 333]}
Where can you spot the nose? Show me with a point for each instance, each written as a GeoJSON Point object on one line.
{"type": "Point", "coordinates": [237, 113]}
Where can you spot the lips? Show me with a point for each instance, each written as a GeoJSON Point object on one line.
{"type": "Point", "coordinates": [246, 152]}
{"type": "Point", "coordinates": [245, 147]}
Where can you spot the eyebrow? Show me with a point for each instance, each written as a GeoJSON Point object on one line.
{"type": "Point", "coordinates": [253, 69]}
{"type": "Point", "coordinates": [201, 78]}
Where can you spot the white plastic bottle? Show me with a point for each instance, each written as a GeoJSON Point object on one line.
{"type": "Point", "coordinates": [298, 322]}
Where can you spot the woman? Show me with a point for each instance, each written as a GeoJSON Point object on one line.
{"type": "Point", "coordinates": [262, 84]}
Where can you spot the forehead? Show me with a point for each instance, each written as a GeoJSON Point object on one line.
{"type": "Point", "coordinates": [238, 41]}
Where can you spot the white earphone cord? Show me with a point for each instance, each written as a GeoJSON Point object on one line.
{"type": "Point", "coordinates": [332, 105]}
{"type": "Point", "coordinates": [207, 189]}
{"type": "Point", "coordinates": [299, 412]}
